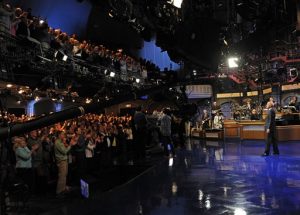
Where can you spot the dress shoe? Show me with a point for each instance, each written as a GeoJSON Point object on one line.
{"type": "Point", "coordinates": [277, 153]}
{"type": "Point", "coordinates": [265, 154]}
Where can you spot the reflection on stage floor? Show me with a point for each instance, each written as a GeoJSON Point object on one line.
{"type": "Point", "coordinates": [207, 178]}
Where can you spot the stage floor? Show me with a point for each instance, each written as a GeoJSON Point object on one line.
{"type": "Point", "coordinates": [205, 178]}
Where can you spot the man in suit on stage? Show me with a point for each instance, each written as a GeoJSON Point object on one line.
{"type": "Point", "coordinates": [270, 127]}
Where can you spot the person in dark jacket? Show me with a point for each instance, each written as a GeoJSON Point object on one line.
{"type": "Point", "coordinates": [270, 127]}
{"type": "Point", "coordinates": [79, 153]}
{"type": "Point", "coordinates": [140, 125]}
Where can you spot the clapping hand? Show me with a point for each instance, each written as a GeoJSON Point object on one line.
{"type": "Point", "coordinates": [35, 147]}
{"type": "Point", "coordinates": [74, 141]}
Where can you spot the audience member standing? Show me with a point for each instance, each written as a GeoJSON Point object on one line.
{"type": "Point", "coordinates": [5, 18]}
{"type": "Point", "coordinates": [38, 164]}
{"type": "Point", "coordinates": [140, 125]}
{"type": "Point", "coordinates": [61, 150]}
{"type": "Point", "coordinates": [89, 151]}
{"type": "Point", "coordinates": [79, 153]}
{"type": "Point", "coordinates": [23, 160]}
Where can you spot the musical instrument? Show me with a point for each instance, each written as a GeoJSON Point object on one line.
{"type": "Point", "coordinates": [215, 111]}
{"type": "Point", "coordinates": [205, 120]}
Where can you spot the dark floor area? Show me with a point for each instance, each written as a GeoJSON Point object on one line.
{"type": "Point", "coordinates": [206, 178]}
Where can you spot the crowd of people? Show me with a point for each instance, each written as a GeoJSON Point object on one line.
{"type": "Point", "coordinates": [21, 23]}
{"type": "Point", "coordinates": [87, 144]}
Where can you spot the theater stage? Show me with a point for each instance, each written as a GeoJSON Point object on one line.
{"type": "Point", "coordinates": [206, 178]}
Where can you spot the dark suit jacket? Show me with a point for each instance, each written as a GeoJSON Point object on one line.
{"type": "Point", "coordinates": [270, 121]}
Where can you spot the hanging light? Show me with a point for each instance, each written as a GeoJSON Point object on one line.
{"type": "Point", "coordinates": [232, 62]}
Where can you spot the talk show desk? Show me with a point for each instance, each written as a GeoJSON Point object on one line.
{"type": "Point", "coordinates": [255, 130]}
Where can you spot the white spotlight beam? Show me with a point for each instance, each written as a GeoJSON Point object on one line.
{"type": "Point", "coordinates": [176, 3]}
{"type": "Point", "coordinates": [232, 62]}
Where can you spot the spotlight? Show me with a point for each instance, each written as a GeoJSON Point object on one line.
{"type": "Point", "coordinates": [9, 85]}
{"type": "Point", "coordinates": [137, 80]}
{"type": "Point", "coordinates": [65, 58]}
{"type": "Point", "coordinates": [21, 91]}
{"type": "Point", "coordinates": [176, 3]}
{"type": "Point", "coordinates": [36, 98]}
{"type": "Point", "coordinates": [232, 62]}
{"type": "Point", "coordinates": [112, 74]}
{"type": "Point", "coordinates": [41, 22]}
{"type": "Point", "coordinates": [111, 14]}
{"type": "Point", "coordinates": [240, 211]}
{"type": "Point", "coordinates": [105, 71]}
{"type": "Point", "coordinates": [60, 56]}
{"type": "Point", "coordinates": [88, 101]}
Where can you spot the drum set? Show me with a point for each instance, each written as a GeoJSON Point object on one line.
{"type": "Point", "coordinates": [243, 112]}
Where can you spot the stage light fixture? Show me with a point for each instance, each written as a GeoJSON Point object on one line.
{"type": "Point", "coordinates": [176, 3]}
{"type": "Point", "coordinates": [232, 62]}
{"type": "Point", "coordinates": [88, 101]}
{"type": "Point", "coordinates": [112, 74]}
{"type": "Point", "coordinates": [65, 58]}
{"type": "Point", "coordinates": [137, 80]}
{"type": "Point", "coordinates": [9, 85]}
{"type": "Point", "coordinates": [240, 211]}
{"type": "Point", "coordinates": [110, 14]}
{"type": "Point", "coordinates": [60, 56]}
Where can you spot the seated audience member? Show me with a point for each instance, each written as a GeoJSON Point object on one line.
{"type": "Point", "coordinates": [23, 26]}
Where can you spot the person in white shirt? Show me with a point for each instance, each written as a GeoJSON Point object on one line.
{"type": "Point", "coordinates": [218, 121]}
{"type": "Point", "coordinates": [89, 150]}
